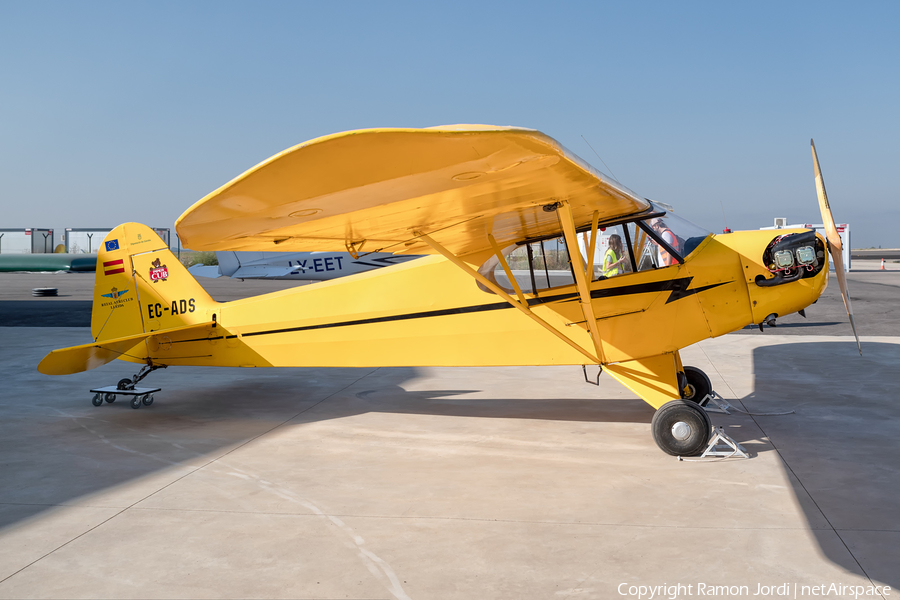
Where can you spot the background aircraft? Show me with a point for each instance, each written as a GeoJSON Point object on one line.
{"type": "Point", "coordinates": [315, 266]}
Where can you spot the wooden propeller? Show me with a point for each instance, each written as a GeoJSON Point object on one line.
{"type": "Point", "coordinates": [834, 241]}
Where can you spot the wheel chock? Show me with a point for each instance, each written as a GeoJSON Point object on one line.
{"type": "Point", "coordinates": [724, 446]}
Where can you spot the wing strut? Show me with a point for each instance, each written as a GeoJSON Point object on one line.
{"type": "Point", "coordinates": [499, 291]}
{"type": "Point", "coordinates": [593, 245]}
{"type": "Point", "coordinates": [507, 270]}
{"type": "Point", "coordinates": [581, 280]}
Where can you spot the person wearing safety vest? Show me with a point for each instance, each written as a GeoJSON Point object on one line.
{"type": "Point", "coordinates": [614, 257]}
{"type": "Point", "coordinates": [665, 259]}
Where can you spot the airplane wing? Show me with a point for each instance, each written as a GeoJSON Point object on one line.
{"type": "Point", "coordinates": [380, 189]}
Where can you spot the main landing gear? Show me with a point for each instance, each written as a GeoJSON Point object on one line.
{"type": "Point", "coordinates": [127, 387]}
{"type": "Point", "coordinates": [698, 386]}
{"type": "Point", "coordinates": [682, 427]}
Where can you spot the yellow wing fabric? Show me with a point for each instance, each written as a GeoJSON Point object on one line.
{"type": "Point", "coordinates": [375, 189]}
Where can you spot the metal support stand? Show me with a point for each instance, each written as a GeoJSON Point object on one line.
{"type": "Point", "coordinates": [721, 405]}
{"type": "Point", "coordinates": [138, 395]}
{"type": "Point", "coordinates": [723, 445]}
{"type": "Point", "coordinates": [128, 387]}
{"type": "Point", "coordinates": [713, 402]}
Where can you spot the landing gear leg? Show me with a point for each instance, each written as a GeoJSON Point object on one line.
{"type": "Point", "coordinates": [681, 428]}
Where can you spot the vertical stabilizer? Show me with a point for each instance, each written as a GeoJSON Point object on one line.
{"type": "Point", "coordinates": [228, 262]}
{"type": "Point", "coordinates": [141, 286]}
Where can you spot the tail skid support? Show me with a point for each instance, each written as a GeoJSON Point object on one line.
{"type": "Point", "coordinates": [145, 370]}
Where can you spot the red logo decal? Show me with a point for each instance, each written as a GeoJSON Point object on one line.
{"type": "Point", "coordinates": [158, 272]}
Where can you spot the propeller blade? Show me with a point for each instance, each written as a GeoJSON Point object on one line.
{"type": "Point", "coordinates": [835, 247]}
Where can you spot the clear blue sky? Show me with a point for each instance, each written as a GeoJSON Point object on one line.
{"type": "Point", "coordinates": [132, 111]}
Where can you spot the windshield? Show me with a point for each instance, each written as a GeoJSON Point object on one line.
{"type": "Point", "coordinates": [682, 235]}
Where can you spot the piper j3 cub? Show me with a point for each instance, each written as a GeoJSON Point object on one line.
{"type": "Point", "coordinates": [502, 213]}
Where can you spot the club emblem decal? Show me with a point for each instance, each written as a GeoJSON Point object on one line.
{"type": "Point", "coordinates": [114, 293]}
{"type": "Point", "coordinates": [158, 272]}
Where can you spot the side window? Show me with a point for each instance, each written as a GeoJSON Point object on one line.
{"type": "Point", "coordinates": [647, 253]}
{"type": "Point", "coordinates": [536, 266]}
{"type": "Point", "coordinates": [612, 253]}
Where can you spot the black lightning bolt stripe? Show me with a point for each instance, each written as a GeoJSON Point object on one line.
{"type": "Point", "coordinates": [678, 289]}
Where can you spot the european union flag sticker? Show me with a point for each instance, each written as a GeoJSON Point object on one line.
{"type": "Point", "coordinates": [112, 245]}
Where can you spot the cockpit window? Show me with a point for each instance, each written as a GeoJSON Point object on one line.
{"type": "Point", "coordinates": [648, 254]}
{"type": "Point", "coordinates": [652, 243]}
{"type": "Point", "coordinates": [612, 252]}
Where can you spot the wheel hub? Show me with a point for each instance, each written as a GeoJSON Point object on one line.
{"type": "Point", "coordinates": [681, 431]}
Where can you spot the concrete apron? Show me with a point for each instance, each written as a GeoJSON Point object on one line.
{"type": "Point", "coordinates": [445, 482]}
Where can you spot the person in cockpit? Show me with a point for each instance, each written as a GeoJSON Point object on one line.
{"type": "Point", "coordinates": [614, 257]}
{"type": "Point", "coordinates": [660, 227]}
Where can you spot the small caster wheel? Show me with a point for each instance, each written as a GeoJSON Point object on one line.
{"type": "Point", "coordinates": [698, 385]}
{"type": "Point", "coordinates": [681, 428]}
{"type": "Point", "coordinates": [147, 399]}
{"type": "Point", "coordinates": [97, 400]}
{"type": "Point", "coordinates": [110, 398]}
{"type": "Point", "coordinates": [124, 384]}
{"type": "Point", "coordinates": [136, 402]}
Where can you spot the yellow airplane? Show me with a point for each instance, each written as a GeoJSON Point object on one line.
{"type": "Point", "coordinates": [534, 258]}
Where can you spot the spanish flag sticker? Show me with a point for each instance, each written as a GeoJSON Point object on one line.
{"type": "Point", "coordinates": [114, 266]}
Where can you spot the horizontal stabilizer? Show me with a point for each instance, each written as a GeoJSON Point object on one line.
{"type": "Point", "coordinates": [76, 359]}
{"type": "Point", "coordinates": [205, 271]}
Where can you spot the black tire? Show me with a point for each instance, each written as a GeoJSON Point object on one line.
{"type": "Point", "coordinates": [147, 399]}
{"type": "Point", "coordinates": [681, 428]}
{"type": "Point", "coordinates": [110, 398]}
{"type": "Point", "coordinates": [699, 385]}
{"type": "Point", "coordinates": [124, 384]}
{"type": "Point", "coordinates": [136, 402]}
{"type": "Point", "coordinates": [97, 400]}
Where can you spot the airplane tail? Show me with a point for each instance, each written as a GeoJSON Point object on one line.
{"type": "Point", "coordinates": [140, 287]}
{"type": "Point", "coordinates": [228, 262]}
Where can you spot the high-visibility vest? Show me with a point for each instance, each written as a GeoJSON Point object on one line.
{"type": "Point", "coordinates": [608, 259]}
{"type": "Point", "coordinates": [668, 237]}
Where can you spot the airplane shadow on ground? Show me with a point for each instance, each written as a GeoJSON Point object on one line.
{"type": "Point", "coordinates": [838, 448]}
{"type": "Point", "coordinates": [841, 446]}
{"type": "Point", "coordinates": [60, 450]}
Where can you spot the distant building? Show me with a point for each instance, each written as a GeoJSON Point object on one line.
{"type": "Point", "coordinates": [87, 240]}
{"type": "Point", "coordinates": [26, 241]}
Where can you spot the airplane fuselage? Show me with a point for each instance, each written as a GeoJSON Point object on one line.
{"type": "Point", "coordinates": [429, 312]}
